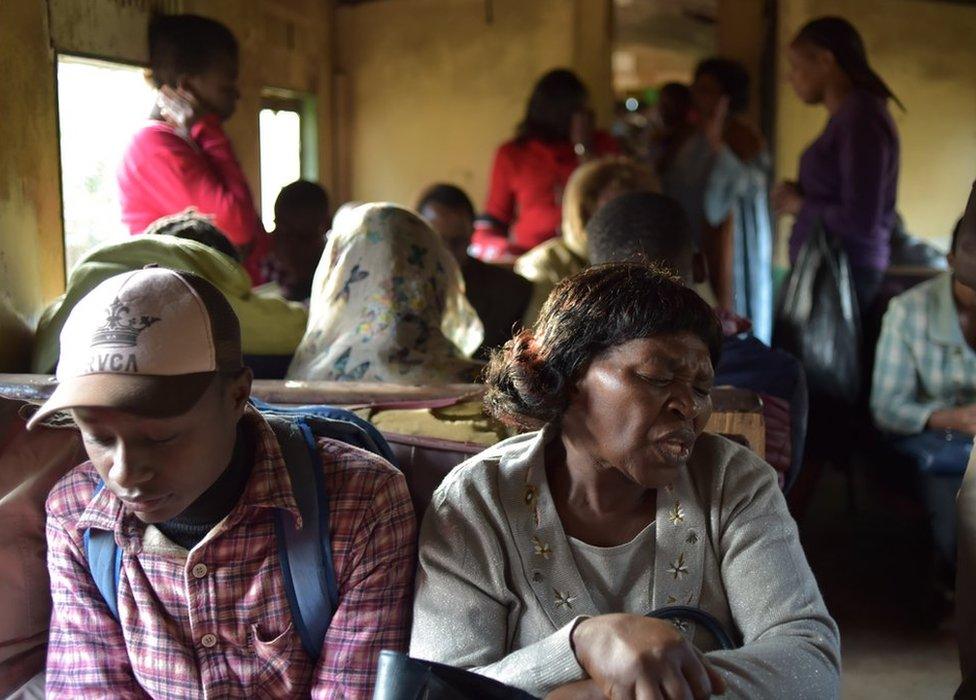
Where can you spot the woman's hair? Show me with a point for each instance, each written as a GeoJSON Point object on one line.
{"type": "Point", "coordinates": [531, 379]}
{"type": "Point", "coordinates": [588, 182]}
{"type": "Point", "coordinates": [185, 45]}
{"type": "Point", "coordinates": [555, 98]}
{"type": "Point", "coordinates": [733, 79]}
{"type": "Point", "coordinates": [840, 38]}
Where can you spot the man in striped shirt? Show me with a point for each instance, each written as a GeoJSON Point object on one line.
{"type": "Point", "coordinates": [193, 477]}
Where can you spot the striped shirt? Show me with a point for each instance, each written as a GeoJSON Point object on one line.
{"type": "Point", "coordinates": [923, 362]}
{"type": "Point", "coordinates": [214, 622]}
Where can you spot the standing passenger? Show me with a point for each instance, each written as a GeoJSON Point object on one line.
{"type": "Point", "coordinates": [190, 480]}
{"type": "Point", "coordinates": [182, 158]}
{"type": "Point", "coordinates": [530, 171]}
{"type": "Point", "coordinates": [849, 175]}
{"type": "Point", "coordinates": [719, 175]}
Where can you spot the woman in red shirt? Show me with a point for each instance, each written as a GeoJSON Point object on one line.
{"type": "Point", "coordinates": [182, 158]}
{"type": "Point", "coordinates": [524, 206]}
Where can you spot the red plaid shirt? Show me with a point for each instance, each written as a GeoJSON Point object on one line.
{"type": "Point", "coordinates": [215, 622]}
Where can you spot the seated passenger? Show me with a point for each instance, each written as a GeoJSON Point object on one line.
{"type": "Point", "coordinates": [388, 305]}
{"type": "Point", "coordinates": [591, 186]}
{"type": "Point", "coordinates": [655, 228]}
{"type": "Point", "coordinates": [271, 326]}
{"type": "Point", "coordinates": [302, 217]}
{"type": "Point", "coordinates": [499, 296]}
{"type": "Point", "coordinates": [182, 157]}
{"type": "Point", "coordinates": [193, 478]}
{"type": "Point", "coordinates": [540, 557]}
{"type": "Point", "coordinates": [923, 391]}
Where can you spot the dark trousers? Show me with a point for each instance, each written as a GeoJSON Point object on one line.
{"type": "Point", "coordinates": [867, 286]}
{"type": "Point", "coordinates": [940, 458]}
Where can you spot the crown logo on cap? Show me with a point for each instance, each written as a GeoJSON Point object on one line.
{"type": "Point", "coordinates": [119, 331]}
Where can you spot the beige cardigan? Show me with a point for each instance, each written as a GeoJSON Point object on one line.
{"type": "Point", "coordinates": [498, 590]}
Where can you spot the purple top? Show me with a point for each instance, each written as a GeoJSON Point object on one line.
{"type": "Point", "coordinates": [849, 180]}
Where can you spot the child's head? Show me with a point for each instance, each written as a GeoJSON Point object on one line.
{"type": "Point", "coordinates": [302, 215]}
{"type": "Point", "coordinates": [191, 224]}
{"type": "Point", "coordinates": [450, 213]}
{"type": "Point", "coordinates": [196, 54]}
{"type": "Point", "coordinates": [302, 210]}
{"type": "Point", "coordinates": [151, 369]}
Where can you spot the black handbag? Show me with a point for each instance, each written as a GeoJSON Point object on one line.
{"type": "Point", "coordinates": [818, 320]}
{"type": "Point", "coordinates": [400, 677]}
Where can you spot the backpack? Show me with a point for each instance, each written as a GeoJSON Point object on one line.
{"type": "Point", "coordinates": [305, 555]}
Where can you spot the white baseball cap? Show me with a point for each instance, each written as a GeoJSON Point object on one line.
{"type": "Point", "coordinates": [148, 342]}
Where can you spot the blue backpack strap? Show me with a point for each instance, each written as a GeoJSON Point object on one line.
{"type": "Point", "coordinates": [343, 425]}
{"type": "Point", "coordinates": [104, 562]}
{"type": "Point", "coordinates": [306, 554]}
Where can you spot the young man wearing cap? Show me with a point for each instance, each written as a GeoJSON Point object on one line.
{"type": "Point", "coordinates": [193, 477]}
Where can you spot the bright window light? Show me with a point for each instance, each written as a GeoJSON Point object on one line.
{"type": "Point", "coordinates": [281, 156]}
{"type": "Point", "coordinates": [100, 106]}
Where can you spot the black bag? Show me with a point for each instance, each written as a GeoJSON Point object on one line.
{"type": "Point", "coordinates": [818, 320]}
{"type": "Point", "coordinates": [400, 677]}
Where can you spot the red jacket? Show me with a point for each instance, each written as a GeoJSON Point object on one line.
{"type": "Point", "coordinates": [524, 206]}
{"type": "Point", "coordinates": [163, 173]}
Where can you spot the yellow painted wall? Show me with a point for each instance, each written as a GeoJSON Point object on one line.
{"type": "Point", "coordinates": [31, 263]}
{"type": "Point", "coordinates": [433, 88]}
{"type": "Point", "coordinates": [926, 52]}
{"type": "Point", "coordinates": [284, 44]}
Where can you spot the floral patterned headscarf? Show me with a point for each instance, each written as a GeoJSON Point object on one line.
{"type": "Point", "coordinates": [387, 305]}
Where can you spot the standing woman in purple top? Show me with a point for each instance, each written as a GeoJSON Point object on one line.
{"type": "Point", "coordinates": [849, 175]}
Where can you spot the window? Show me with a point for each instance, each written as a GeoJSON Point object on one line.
{"type": "Point", "coordinates": [100, 106]}
{"type": "Point", "coordinates": [288, 143]}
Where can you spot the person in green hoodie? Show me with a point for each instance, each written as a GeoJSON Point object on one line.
{"type": "Point", "coordinates": [271, 327]}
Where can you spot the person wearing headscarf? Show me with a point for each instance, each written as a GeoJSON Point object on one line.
{"type": "Point", "coordinates": [387, 305]}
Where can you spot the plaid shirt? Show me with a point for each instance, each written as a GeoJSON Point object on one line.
{"type": "Point", "coordinates": [923, 363]}
{"type": "Point", "coordinates": [214, 622]}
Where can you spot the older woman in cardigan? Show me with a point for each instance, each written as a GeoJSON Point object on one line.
{"type": "Point", "coordinates": [541, 558]}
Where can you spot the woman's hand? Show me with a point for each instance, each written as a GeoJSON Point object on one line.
{"type": "Point", "coordinates": [787, 198]}
{"type": "Point", "coordinates": [630, 656]}
{"type": "Point", "coordinates": [961, 418]}
{"type": "Point", "coordinates": [178, 107]}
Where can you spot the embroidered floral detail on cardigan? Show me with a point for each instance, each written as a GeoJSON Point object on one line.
{"type": "Point", "coordinates": [678, 567]}
{"type": "Point", "coordinates": [542, 549]}
{"type": "Point", "coordinates": [676, 514]}
{"type": "Point", "coordinates": [564, 600]}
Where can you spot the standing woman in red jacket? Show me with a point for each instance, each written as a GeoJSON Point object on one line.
{"type": "Point", "coordinates": [524, 206]}
{"type": "Point", "coordinates": [182, 158]}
